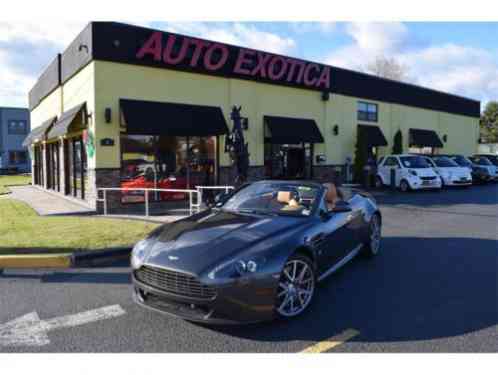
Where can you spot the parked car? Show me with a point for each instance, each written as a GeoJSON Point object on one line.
{"type": "Point", "coordinates": [479, 173]}
{"type": "Point", "coordinates": [450, 172]}
{"type": "Point", "coordinates": [257, 254]}
{"type": "Point", "coordinates": [484, 162]}
{"type": "Point", "coordinates": [412, 172]}
{"type": "Point", "coordinates": [492, 158]}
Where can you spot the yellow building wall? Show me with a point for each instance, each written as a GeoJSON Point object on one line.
{"type": "Point", "coordinates": [101, 85]}
{"type": "Point", "coordinates": [49, 107]}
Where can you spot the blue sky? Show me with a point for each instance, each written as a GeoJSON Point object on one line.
{"type": "Point", "coordinates": [457, 57]}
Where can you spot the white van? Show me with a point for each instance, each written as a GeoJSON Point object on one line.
{"type": "Point", "coordinates": [412, 172]}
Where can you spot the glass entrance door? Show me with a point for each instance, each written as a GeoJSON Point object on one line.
{"type": "Point", "coordinates": [288, 161]}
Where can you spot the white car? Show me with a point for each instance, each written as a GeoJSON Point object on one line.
{"type": "Point", "coordinates": [412, 172]}
{"type": "Point", "coordinates": [450, 172]}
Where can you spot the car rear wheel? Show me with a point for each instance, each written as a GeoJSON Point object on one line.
{"type": "Point", "coordinates": [372, 247]}
{"type": "Point", "coordinates": [296, 287]}
{"type": "Point", "coordinates": [403, 185]}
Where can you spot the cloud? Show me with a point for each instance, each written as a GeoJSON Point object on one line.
{"type": "Point", "coordinates": [453, 68]}
{"type": "Point", "coordinates": [313, 27]}
{"type": "Point", "coordinates": [236, 33]}
{"type": "Point", "coordinates": [26, 48]}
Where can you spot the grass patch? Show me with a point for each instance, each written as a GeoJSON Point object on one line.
{"type": "Point", "coordinates": [10, 180]}
{"type": "Point", "coordinates": [22, 231]}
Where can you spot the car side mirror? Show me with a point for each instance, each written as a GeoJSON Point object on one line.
{"type": "Point", "coordinates": [221, 198]}
{"type": "Point", "coordinates": [341, 206]}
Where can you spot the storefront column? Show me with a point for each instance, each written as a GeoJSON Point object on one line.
{"type": "Point", "coordinates": [104, 178]}
{"type": "Point", "coordinates": [62, 166]}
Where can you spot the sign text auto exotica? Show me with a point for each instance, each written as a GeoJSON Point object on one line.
{"type": "Point", "coordinates": [212, 57]}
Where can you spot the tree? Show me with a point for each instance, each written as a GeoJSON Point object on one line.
{"type": "Point", "coordinates": [489, 123]}
{"type": "Point", "coordinates": [387, 67]}
{"type": "Point", "coordinates": [398, 143]}
{"type": "Point", "coordinates": [360, 158]}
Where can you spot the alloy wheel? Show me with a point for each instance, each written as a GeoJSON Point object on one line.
{"type": "Point", "coordinates": [296, 288]}
{"type": "Point", "coordinates": [375, 235]}
{"type": "Point", "coordinates": [404, 186]}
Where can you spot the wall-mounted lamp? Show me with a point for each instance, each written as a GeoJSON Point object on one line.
{"type": "Point", "coordinates": [335, 129]}
{"type": "Point", "coordinates": [445, 138]}
{"type": "Point", "coordinates": [108, 115]}
{"type": "Point", "coordinates": [82, 47]}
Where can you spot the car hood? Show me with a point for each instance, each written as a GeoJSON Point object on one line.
{"type": "Point", "coordinates": [199, 243]}
{"type": "Point", "coordinates": [455, 170]}
{"type": "Point", "coordinates": [424, 172]}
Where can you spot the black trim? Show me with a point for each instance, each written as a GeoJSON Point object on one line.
{"type": "Point", "coordinates": [116, 42]}
{"type": "Point", "coordinates": [424, 138]}
{"type": "Point", "coordinates": [174, 119]}
{"type": "Point", "coordinates": [373, 135]}
{"type": "Point", "coordinates": [290, 130]}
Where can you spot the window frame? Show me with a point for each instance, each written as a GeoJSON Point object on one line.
{"type": "Point", "coordinates": [11, 130]}
{"type": "Point", "coordinates": [370, 112]}
{"type": "Point", "coordinates": [16, 161]}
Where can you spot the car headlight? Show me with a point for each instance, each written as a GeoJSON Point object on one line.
{"type": "Point", "coordinates": [412, 172]}
{"type": "Point", "coordinates": [237, 268]}
{"type": "Point", "coordinates": [138, 254]}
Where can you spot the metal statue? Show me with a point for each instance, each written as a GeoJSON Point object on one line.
{"type": "Point", "coordinates": [236, 146]}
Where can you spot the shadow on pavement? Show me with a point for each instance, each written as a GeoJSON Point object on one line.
{"type": "Point", "coordinates": [485, 194]}
{"type": "Point", "coordinates": [417, 289]}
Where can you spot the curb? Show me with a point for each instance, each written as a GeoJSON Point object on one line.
{"type": "Point", "coordinates": [80, 259]}
{"type": "Point", "coordinates": [99, 257]}
{"type": "Point", "coordinates": [35, 261]}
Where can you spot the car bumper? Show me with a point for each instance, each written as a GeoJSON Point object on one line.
{"type": "Point", "coordinates": [239, 302]}
{"type": "Point", "coordinates": [458, 182]}
{"type": "Point", "coordinates": [419, 184]}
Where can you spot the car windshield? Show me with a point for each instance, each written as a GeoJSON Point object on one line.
{"type": "Point", "coordinates": [493, 159]}
{"type": "Point", "coordinates": [274, 198]}
{"type": "Point", "coordinates": [444, 162]}
{"type": "Point", "coordinates": [462, 161]}
{"type": "Point", "coordinates": [482, 161]}
{"type": "Point", "coordinates": [414, 162]}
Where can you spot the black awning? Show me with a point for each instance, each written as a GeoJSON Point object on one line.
{"type": "Point", "coordinates": [39, 133]}
{"type": "Point", "coordinates": [67, 118]}
{"type": "Point", "coordinates": [281, 130]}
{"type": "Point", "coordinates": [373, 135]}
{"type": "Point", "coordinates": [160, 118]}
{"type": "Point", "coordinates": [424, 138]}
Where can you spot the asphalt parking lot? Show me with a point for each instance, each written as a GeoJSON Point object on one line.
{"type": "Point", "coordinates": [433, 288]}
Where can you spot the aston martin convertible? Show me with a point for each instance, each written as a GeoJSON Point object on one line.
{"type": "Point", "coordinates": [257, 254]}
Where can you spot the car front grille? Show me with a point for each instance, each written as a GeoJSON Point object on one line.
{"type": "Point", "coordinates": [428, 178]}
{"type": "Point", "coordinates": [174, 282]}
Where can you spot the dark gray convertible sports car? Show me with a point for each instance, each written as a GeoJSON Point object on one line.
{"type": "Point", "coordinates": [257, 254]}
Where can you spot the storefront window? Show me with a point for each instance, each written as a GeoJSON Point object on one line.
{"type": "Point", "coordinates": [76, 168]}
{"type": "Point", "coordinates": [53, 166]}
{"type": "Point", "coordinates": [165, 162]}
{"type": "Point", "coordinates": [38, 165]}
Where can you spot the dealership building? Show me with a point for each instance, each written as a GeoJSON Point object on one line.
{"type": "Point", "coordinates": [125, 106]}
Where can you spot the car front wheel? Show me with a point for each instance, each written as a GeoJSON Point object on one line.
{"type": "Point", "coordinates": [372, 247]}
{"type": "Point", "coordinates": [403, 185]}
{"type": "Point", "coordinates": [296, 287]}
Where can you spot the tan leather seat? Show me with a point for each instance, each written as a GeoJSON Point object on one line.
{"type": "Point", "coordinates": [284, 197]}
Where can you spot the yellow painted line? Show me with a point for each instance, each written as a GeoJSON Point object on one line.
{"type": "Point", "coordinates": [332, 342]}
{"type": "Point", "coordinates": [36, 261]}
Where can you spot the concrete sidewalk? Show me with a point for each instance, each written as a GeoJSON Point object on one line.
{"type": "Point", "coordinates": [46, 204]}
{"type": "Point", "coordinates": [49, 204]}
